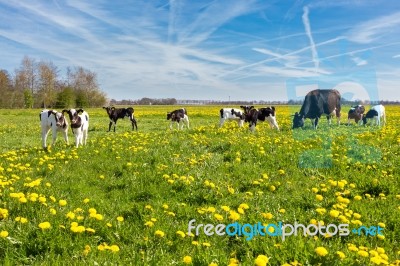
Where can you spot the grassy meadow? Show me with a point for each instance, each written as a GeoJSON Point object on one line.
{"type": "Point", "coordinates": [126, 198]}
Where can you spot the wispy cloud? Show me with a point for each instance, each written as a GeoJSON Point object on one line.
{"type": "Point", "coordinates": [373, 29]}
{"type": "Point", "coordinates": [307, 27]}
{"type": "Point", "coordinates": [359, 61]}
{"type": "Point", "coordinates": [396, 56]}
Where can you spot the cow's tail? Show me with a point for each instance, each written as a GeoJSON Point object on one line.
{"type": "Point", "coordinates": [184, 111]}
{"type": "Point", "coordinates": [221, 113]}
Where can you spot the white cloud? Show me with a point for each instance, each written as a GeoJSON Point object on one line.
{"type": "Point", "coordinates": [373, 29]}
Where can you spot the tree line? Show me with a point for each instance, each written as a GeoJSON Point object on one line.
{"type": "Point", "coordinates": [39, 85]}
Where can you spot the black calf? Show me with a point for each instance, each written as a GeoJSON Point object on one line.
{"type": "Point", "coordinates": [115, 113]}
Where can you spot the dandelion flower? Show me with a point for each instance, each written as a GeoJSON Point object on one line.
{"type": "Point", "coordinates": [120, 219]}
{"type": "Point", "coordinates": [62, 203]}
{"type": "Point", "coordinates": [261, 260]}
{"type": "Point", "coordinates": [340, 254]}
{"type": "Point", "coordinates": [187, 260]}
{"type": "Point", "coordinates": [114, 248]}
{"type": "Point", "coordinates": [159, 233]}
{"type": "Point", "coordinates": [321, 251]}
{"type": "Point", "coordinates": [3, 234]}
{"type": "Point", "coordinates": [181, 234]}
{"type": "Point", "coordinates": [363, 253]}
{"type": "Point", "coordinates": [44, 225]}
{"type": "Point", "coordinates": [319, 197]}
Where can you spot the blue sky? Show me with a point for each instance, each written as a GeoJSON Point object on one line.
{"type": "Point", "coordinates": [194, 49]}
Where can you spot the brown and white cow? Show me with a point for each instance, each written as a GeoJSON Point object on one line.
{"type": "Point", "coordinates": [317, 103]}
{"type": "Point", "coordinates": [253, 115]}
{"type": "Point", "coordinates": [356, 113]}
{"type": "Point", "coordinates": [180, 117]}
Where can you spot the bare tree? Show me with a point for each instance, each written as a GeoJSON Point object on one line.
{"type": "Point", "coordinates": [47, 93]}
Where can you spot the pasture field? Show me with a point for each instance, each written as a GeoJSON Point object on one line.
{"type": "Point", "coordinates": [126, 198]}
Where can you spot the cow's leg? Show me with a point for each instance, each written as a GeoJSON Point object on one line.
{"type": "Point", "coordinates": [240, 123]}
{"type": "Point", "coordinates": [313, 122]}
{"type": "Point", "coordinates": [329, 119]}
{"type": "Point", "coordinates": [65, 133]}
{"type": "Point", "coordinates": [348, 121]}
{"type": "Point", "coordinates": [221, 122]}
{"type": "Point", "coordinates": [54, 133]}
{"type": "Point", "coordinates": [134, 123]}
{"type": "Point", "coordinates": [187, 122]}
{"type": "Point", "coordinates": [85, 136]}
{"type": "Point", "coordinates": [275, 124]}
{"type": "Point", "coordinates": [109, 126]}
{"type": "Point", "coordinates": [45, 133]}
{"type": "Point", "coordinates": [115, 124]}
{"type": "Point", "coordinates": [316, 123]}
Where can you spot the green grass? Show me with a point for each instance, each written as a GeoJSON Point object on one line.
{"type": "Point", "coordinates": [175, 177]}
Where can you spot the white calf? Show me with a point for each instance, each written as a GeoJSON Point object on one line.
{"type": "Point", "coordinates": [376, 113]}
{"type": "Point", "coordinates": [51, 119]}
{"type": "Point", "coordinates": [231, 114]}
{"type": "Point", "coordinates": [79, 125]}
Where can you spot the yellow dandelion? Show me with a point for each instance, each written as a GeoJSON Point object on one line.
{"type": "Point", "coordinates": [3, 234]}
{"type": "Point", "coordinates": [62, 203]}
{"type": "Point", "coordinates": [340, 254]}
{"type": "Point", "coordinates": [187, 260]}
{"type": "Point", "coordinates": [44, 225]}
{"type": "Point", "coordinates": [261, 260]}
{"type": "Point", "coordinates": [180, 233]}
{"type": "Point", "coordinates": [321, 251]}
{"type": "Point", "coordinates": [120, 219]}
{"type": "Point", "coordinates": [114, 248]}
{"type": "Point", "coordinates": [159, 233]}
{"type": "Point", "coordinates": [363, 253]}
{"type": "Point", "coordinates": [319, 197]}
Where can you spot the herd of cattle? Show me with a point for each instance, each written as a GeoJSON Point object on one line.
{"type": "Point", "coordinates": [316, 104]}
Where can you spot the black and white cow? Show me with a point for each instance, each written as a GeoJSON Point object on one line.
{"type": "Point", "coordinates": [79, 125]}
{"type": "Point", "coordinates": [51, 119]}
{"type": "Point", "coordinates": [231, 114]}
{"type": "Point", "coordinates": [116, 113]}
{"type": "Point", "coordinates": [376, 113]}
{"type": "Point", "coordinates": [253, 115]}
{"type": "Point", "coordinates": [180, 117]}
{"type": "Point", "coordinates": [317, 103]}
{"type": "Point", "coordinates": [356, 113]}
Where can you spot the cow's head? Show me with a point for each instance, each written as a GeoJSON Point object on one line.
{"type": "Point", "coordinates": [73, 114]}
{"type": "Point", "coordinates": [60, 118]}
{"type": "Point", "coordinates": [169, 116]}
{"type": "Point", "coordinates": [298, 120]}
{"type": "Point", "coordinates": [109, 109]}
{"type": "Point", "coordinates": [369, 114]}
{"type": "Point", "coordinates": [246, 108]}
{"type": "Point", "coordinates": [238, 114]}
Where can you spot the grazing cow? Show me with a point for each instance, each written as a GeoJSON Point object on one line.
{"type": "Point", "coordinates": [376, 113]}
{"type": "Point", "coordinates": [51, 119]}
{"type": "Point", "coordinates": [231, 114]}
{"type": "Point", "coordinates": [253, 115]}
{"type": "Point", "coordinates": [317, 103]}
{"type": "Point", "coordinates": [356, 113]}
{"type": "Point", "coordinates": [180, 117]}
{"type": "Point", "coordinates": [116, 113]}
{"type": "Point", "coordinates": [79, 125]}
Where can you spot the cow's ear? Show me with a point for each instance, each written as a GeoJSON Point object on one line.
{"type": "Point", "coordinates": [104, 107]}
{"type": "Point", "coordinates": [64, 111]}
{"type": "Point", "coordinates": [251, 107]}
{"type": "Point", "coordinates": [112, 108]}
{"type": "Point", "coordinates": [80, 111]}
